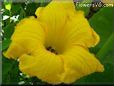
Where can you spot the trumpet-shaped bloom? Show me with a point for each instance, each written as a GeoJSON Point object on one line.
{"type": "Point", "coordinates": [54, 46]}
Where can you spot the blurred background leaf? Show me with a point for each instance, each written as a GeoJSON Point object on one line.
{"type": "Point", "coordinates": [8, 30]}
{"type": "Point", "coordinates": [102, 22]}
{"type": "Point", "coordinates": [10, 71]}
{"type": "Point", "coordinates": [5, 44]}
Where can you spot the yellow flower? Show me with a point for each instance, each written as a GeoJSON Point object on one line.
{"type": "Point", "coordinates": [54, 46]}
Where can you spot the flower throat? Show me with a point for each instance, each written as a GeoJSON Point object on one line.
{"type": "Point", "coordinates": [51, 49]}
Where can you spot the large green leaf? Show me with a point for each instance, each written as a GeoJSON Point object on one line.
{"type": "Point", "coordinates": [22, 13]}
{"type": "Point", "coordinates": [10, 71]}
{"type": "Point", "coordinates": [107, 49]}
{"type": "Point", "coordinates": [102, 22]}
{"type": "Point", "coordinates": [18, 9]}
{"type": "Point", "coordinates": [8, 30]}
{"type": "Point", "coordinates": [15, 10]}
{"type": "Point", "coordinates": [5, 44]}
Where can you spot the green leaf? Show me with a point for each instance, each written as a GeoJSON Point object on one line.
{"type": "Point", "coordinates": [10, 71]}
{"type": "Point", "coordinates": [106, 48]}
{"type": "Point", "coordinates": [18, 9]}
{"type": "Point", "coordinates": [22, 14]}
{"type": "Point", "coordinates": [102, 22]}
{"type": "Point", "coordinates": [31, 8]}
{"type": "Point", "coordinates": [109, 58]}
{"type": "Point", "coordinates": [15, 10]}
{"type": "Point", "coordinates": [6, 12]}
{"type": "Point", "coordinates": [6, 22]}
{"type": "Point", "coordinates": [8, 30]}
{"type": "Point", "coordinates": [5, 44]}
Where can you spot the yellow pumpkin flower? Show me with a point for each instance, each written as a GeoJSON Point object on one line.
{"type": "Point", "coordinates": [54, 46]}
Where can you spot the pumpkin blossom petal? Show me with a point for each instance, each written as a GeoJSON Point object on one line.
{"type": "Point", "coordinates": [46, 66]}
{"type": "Point", "coordinates": [78, 31]}
{"type": "Point", "coordinates": [78, 65]}
{"type": "Point", "coordinates": [28, 30]}
{"type": "Point", "coordinates": [53, 18]}
{"type": "Point", "coordinates": [31, 27]}
{"type": "Point", "coordinates": [19, 50]}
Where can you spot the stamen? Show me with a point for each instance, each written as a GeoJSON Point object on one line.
{"type": "Point", "coordinates": [51, 50]}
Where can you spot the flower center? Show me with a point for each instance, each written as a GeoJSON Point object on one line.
{"type": "Point", "coordinates": [51, 49]}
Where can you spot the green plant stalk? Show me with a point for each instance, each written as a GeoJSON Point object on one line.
{"type": "Point", "coordinates": [109, 45]}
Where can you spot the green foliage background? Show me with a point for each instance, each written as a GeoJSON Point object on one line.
{"type": "Point", "coordinates": [100, 18]}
